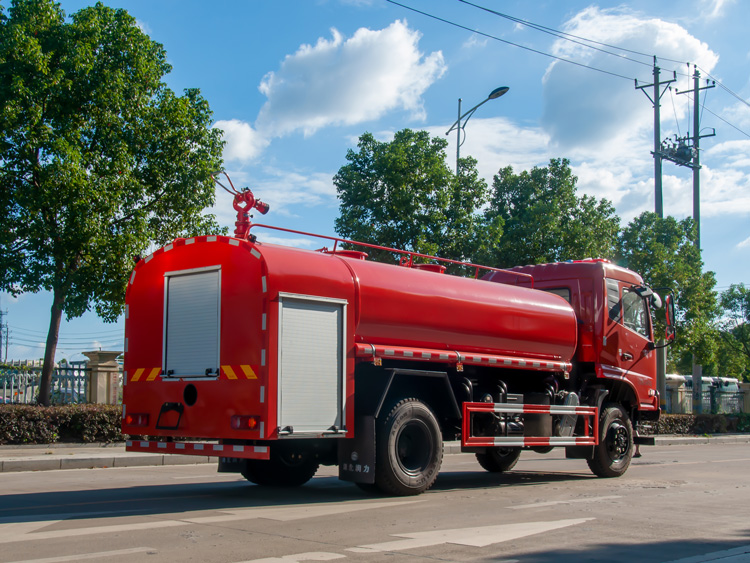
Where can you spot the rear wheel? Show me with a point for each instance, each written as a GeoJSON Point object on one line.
{"type": "Point", "coordinates": [409, 449]}
{"type": "Point", "coordinates": [286, 468]}
{"type": "Point", "coordinates": [498, 460]}
{"type": "Point", "coordinates": [615, 450]}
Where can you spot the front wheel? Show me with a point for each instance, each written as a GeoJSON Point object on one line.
{"type": "Point", "coordinates": [615, 450]}
{"type": "Point", "coordinates": [409, 449]}
{"type": "Point", "coordinates": [499, 460]}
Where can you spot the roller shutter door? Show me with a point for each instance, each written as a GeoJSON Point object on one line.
{"type": "Point", "coordinates": [311, 349]}
{"type": "Point", "coordinates": [192, 324]}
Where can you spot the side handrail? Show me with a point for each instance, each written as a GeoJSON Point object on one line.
{"type": "Point", "coordinates": [405, 254]}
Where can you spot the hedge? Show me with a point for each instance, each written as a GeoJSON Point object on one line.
{"type": "Point", "coordinates": [34, 424]}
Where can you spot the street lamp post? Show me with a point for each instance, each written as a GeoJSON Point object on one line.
{"type": "Point", "coordinates": [459, 126]}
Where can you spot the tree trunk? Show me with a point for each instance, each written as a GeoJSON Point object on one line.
{"type": "Point", "coordinates": [51, 347]}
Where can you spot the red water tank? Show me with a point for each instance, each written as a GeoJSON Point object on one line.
{"type": "Point", "coordinates": [410, 307]}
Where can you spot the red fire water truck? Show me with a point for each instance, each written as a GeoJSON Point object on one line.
{"type": "Point", "coordinates": [276, 360]}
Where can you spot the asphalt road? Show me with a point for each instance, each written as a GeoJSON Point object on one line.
{"type": "Point", "coordinates": [676, 503]}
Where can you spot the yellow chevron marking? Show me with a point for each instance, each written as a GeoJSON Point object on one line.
{"type": "Point", "coordinates": [249, 373]}
{"type": "Point", "coordinates": [153, 374]}
{"type": "Point", "coordinates": [229, 372]}
{"type": "Point", "coordinates": [137, 375]}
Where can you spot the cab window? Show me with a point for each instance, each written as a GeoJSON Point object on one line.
{"type": "Point", "coordinates": [634, 312]}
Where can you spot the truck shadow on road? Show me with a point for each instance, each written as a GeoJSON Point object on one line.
{"type": "Point", "coordinates": [231, 493]}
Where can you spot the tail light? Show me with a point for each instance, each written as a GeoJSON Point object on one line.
{"type": "Point", "coordinates": [136, 419]}
{"type": "Point", "coordinates": [242, 422]}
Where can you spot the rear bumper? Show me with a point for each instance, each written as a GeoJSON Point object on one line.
{"type": "Point", "coordinates": [198, 448]}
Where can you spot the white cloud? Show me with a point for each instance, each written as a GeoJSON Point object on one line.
{"type": "Point", "coordinates": [348, 81]}
{"type": "Point", "coordinates": [587, 108]}
{"type": "Point", "coordinates": [745, 243]}
{"type": "Point", "coordinates": [714, 9]}
{"type": "Point", "coordinates": [243, 143]}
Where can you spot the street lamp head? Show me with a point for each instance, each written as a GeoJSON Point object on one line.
{"type": "Point", "coordinates": [497, 92]}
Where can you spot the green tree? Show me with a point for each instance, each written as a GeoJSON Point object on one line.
{"type": "Point", "coordinates": [735, 332]}
{"type": "Point", "coordinates": [664, 253]}
{"type": "Point", "coordinates": [545, 221]}
{"type": "Point", "coordinates": [99, 158]}
{"type": "Point", "coordinates": [401, 194]}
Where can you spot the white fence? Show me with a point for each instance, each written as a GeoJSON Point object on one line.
{"type": "Point", "coordinates": [70, 384]}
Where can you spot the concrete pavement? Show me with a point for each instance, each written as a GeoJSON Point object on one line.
{"type": "Point", "coordinates": [87, 456]}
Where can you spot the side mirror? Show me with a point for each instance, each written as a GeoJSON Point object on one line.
{"type": "Point", "coordinates": [670, 318]}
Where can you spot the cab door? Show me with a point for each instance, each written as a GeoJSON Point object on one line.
{"type": "Point", "coordinates": [635, 355]}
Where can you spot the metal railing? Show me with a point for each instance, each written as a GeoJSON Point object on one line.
{"type": "Point", "coordinates": [713, 401]}
{"type": "Point", "coordinates": [70, 384]}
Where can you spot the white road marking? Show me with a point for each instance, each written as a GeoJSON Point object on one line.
{"type": "Point", "coordinates": [311, 556]}
{"type": "Point", "coordinates": [473, 537]}
{"type": "Point", "coordinates": [80, 556]}
{"type": "Point", "coordinates": [736, 555]}
{"type": "Point", "coordinates": [556, 502]}
{"type": "Point", "coordinates": [28, 531]}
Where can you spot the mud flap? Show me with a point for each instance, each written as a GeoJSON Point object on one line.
{"type": "Point", "coordinates": [579, 452]}
{"type": "Point", "coordinates": [357, 455]}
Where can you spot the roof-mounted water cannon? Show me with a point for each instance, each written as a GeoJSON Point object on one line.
{"type": "Point", "coordinates": [244, 202]}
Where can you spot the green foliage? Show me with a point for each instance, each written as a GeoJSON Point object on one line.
{"type": "Point", "coordinates": [663, 252]}
{"type": "Point", "coordinates": [545, 221]}
{"type": "Point", "coordinates": [401, 194]}
{"type": "Point", "coordinates": [734, 360]}
{"type": "Point", "coordinates": [33, 424]}
{"type": "Point", "coordinates": [99, 158]}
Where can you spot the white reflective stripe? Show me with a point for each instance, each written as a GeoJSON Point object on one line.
{"type": "Point", "coordinates": [168, 247]}
{"type": "Point", "coordinates": [408, 354]}
{"type": "Point", "coordinates": [132, 277]}
{"type": "Point", "coordinates": [390, 352]}
{"type": "Point", "coordinates": [261, 449]}
{"type": "Point", "coordinates": [426, 355]}
{"type": "Point", "coordinates": [145, 444]}
{"type": "Point", "coordinates": [161, 445]}
{"type": "Point", "coordinates": [149, 258]}
{"type": "Point", "coordinates": [262, 427]}
{"type": "Point", "coordinates": [212, 238]}
{"type": "Point", "coordinates": [198, 446]}
{"type": "Point", "coordinates": [255, 253]}
{"type": "Point", "coordinates": [263, 281]}
{"type": "Point", "coordinates": [507, 362]}
{"type": "Point", "coordinates": [262, 394]}
{"type": "Point", "coordinates": [128, 443]}
{"type": "Point", "coordinates": [509, 441]}
{"type": "Point", "coordinates": [238, 448]}
{"type": "Point", "coordinates": [263, 322]}
{"type": "Point", "coordinates": [218, 448]}
{"type": "Point", "coordinates": [180, 446]}
{"type": "Point", "coordinates": [234, 242]}
{"type": "Point", "coordinates": [190, 240]}
{"type": "Point", "coordinates": [263, 357]}
{"type": "Point", "coordinates": [443, 356]}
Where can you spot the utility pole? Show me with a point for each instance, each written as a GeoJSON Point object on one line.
{"type": "Point", "coordinates": [656, 99]}
{"type": "Point", "coordinates": [696, 166]}
{"type": "Point", "coordinates": [4, 333]}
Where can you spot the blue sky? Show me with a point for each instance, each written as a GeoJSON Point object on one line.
{"type": "Point", "coordinates": [294, 83]}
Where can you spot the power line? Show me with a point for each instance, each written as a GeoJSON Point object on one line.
{"type": "Point", "coordinates": [584, 41]}
{"type": "Point", "coordinates": [449, 22]}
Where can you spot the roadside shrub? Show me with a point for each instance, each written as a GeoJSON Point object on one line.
{"type": "Point", "coordinates": [34, 424]}
{"type": "Point", "coordinates": [702, 423]}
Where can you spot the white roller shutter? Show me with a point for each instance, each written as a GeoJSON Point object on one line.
{"type": "Point", "coordinates": [191, 324]}
{"type": "Point", "coordinates": [311, 364]}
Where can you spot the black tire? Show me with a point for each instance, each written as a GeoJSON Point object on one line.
{"type": "Point", "coordinates": [409, 449]}
{"type": "Point", "coordinates": [284, 469]}
{"type": "Point", "coordinates": [498, 460]}
{"type": "Point", "coordinates": [615, 450]}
